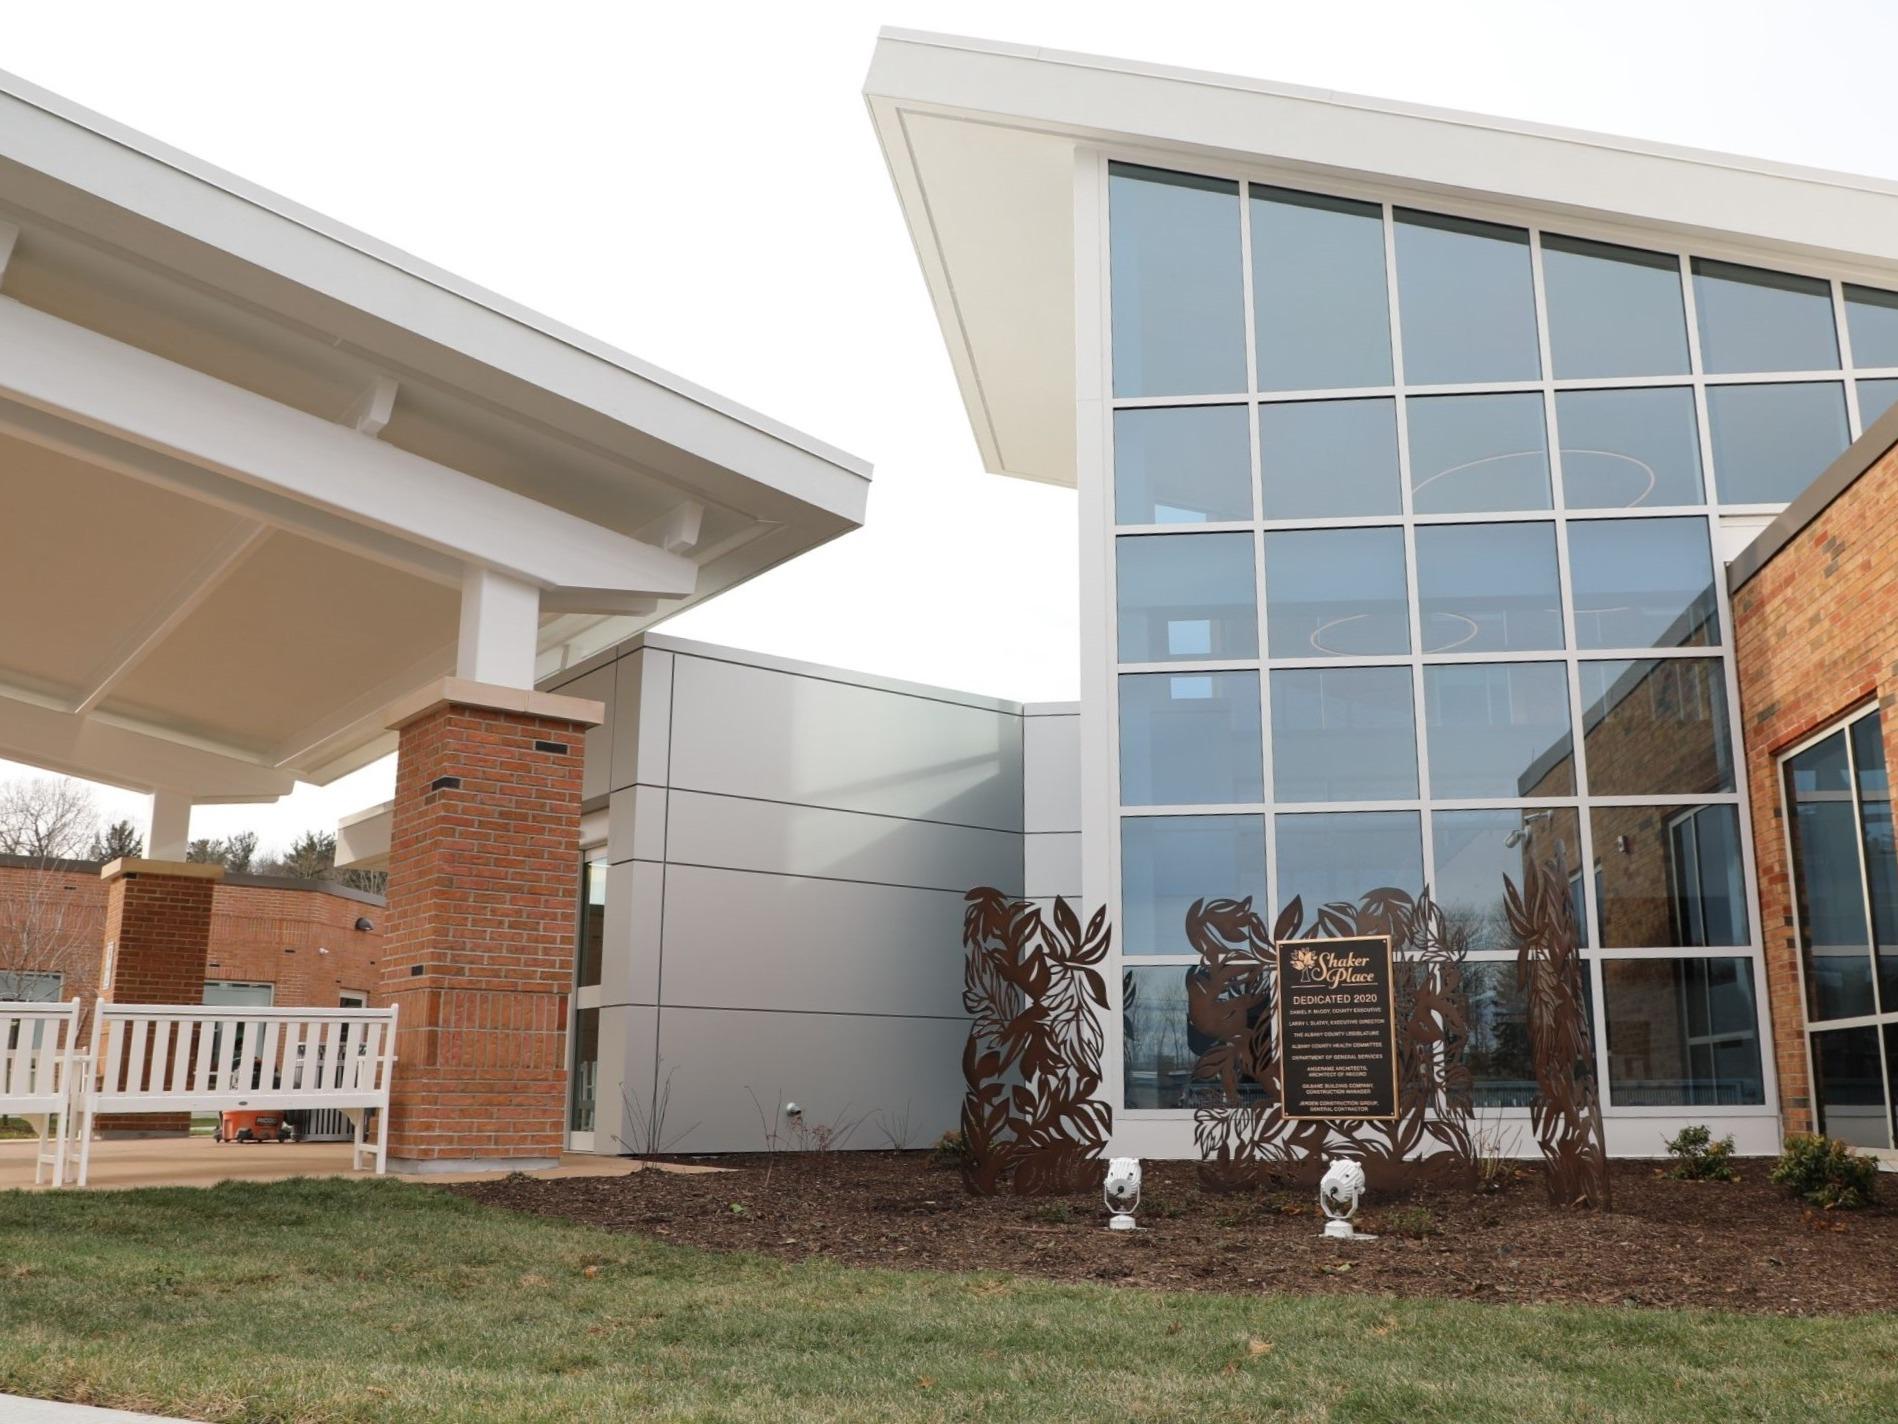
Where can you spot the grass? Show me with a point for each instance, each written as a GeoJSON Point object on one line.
{"type": "Point", "coordinates": [376, 1301]}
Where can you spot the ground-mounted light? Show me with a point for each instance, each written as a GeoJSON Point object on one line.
{"type": "Point", "coordinates": [1339, 1192]}
{"type": "Point", "coordinates": [1121, 1192]}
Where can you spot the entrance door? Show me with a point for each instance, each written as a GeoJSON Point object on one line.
{"type": "Point", "coordinates": [584, 1030]}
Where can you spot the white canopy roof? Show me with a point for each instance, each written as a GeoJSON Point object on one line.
{"type": "Point", "coordinates": [981, 140]}
{"type": "Point", "coordinates": [248, 455]}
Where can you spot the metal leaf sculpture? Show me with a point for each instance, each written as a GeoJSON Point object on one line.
{"type": "Point", "coordinates": [1566, 1110]}
{"type": "Point", "coordinates": [1243, 1137]}
{"type": "Point", "coordinates": [1035, 996]}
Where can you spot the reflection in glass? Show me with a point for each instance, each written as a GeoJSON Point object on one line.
{"type": "Point", "coordinates": [1682, 1033]}
{"type": "Point", "coordinates": [1321, 306]}
{"type": "Point", "coordinates": [1656, 726]}
{"type": "Point", "coordinates": [1500, 1055]}
{"type": "Point", "coordinates": [1466, 301]}
{"type": "Point", "coordinates": [1755, 320]}
{"type": "Point", "coordinates": [1157, 1059]}
{"type": "Point", "coordinates": [592, 925]}
{"type": "Point", "coordinates": [1881, 859]}
{"type": "Point", "coordinates": [1168, 862]}
{"type": "Point", "coordinates": [1613, 311]}
{"type": "Point", "coordinates": [1498, 729]}
{"type": "Point", "coordinates": [1830, 899]}
{"type": "Point", "coordinates": [1668, 876]}
{"type": "Point", "coordinates": [1190, 739]}
{"type": "Point", "coordinates": [1330, 856]}
{"type": "Point", "coordinates": [1641, 583]}
{"type": "Point", "coordinates": [1184, 596]}
{"type": "Point", "coordinates": [1182, 464]}
{"type": "Point", "coordinates": [1828, 895]}
{"type": "Point", "coordinates": [1770, 442]}
{"type": "Point", "coordinates": [1335, 593]}
{"type": "Point", "coordinates": [1179, 314]}
{"type": "Point", "coordinates": [1478, 454]}
{"type": "Point", "coordinates": [1626, 449]}
{"type": "Point", "coordinates": [1319, 459]}
{"type": "Point", "coordinates": [1871, 320]}
{"type": "Point", "coordinates": [1476, 849]}
{"type": "Point", "coordinates": [1160, 1045]}
{"type": "Point", "coordinates": [1874, 399]}
{"type": "Point", "coordinates": [1488, 588]}
{"type": "Point", "coordinates": [1849, 1086]}
{"type": "Point", "coordinates": [1343, 734]}
{"type": "Point", "coordinates": [586, 1070]}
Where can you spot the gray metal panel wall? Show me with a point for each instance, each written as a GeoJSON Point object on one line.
{"type": "Point", "coordinates": [790, 849]}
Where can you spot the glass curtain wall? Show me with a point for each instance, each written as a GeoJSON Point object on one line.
{"type": "Point", "coordinates": [1414, 562]}
{"type": "Point", "coordinates": [1845, 901]}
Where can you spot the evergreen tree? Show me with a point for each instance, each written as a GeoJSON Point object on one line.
{"type": "Point", "coordinates": [118, 841]}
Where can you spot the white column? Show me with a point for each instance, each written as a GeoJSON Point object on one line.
{"type": "Point", "coordinates": [171, 825]}
{"type": "Point", "coordinates": [500, 629]}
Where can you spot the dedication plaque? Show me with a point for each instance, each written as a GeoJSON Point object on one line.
{"type": "Point", "coordinates": [1337, 1029]}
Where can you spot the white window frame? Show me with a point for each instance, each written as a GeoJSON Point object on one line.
{"type": "Point", "coordinates": [1841, 724]}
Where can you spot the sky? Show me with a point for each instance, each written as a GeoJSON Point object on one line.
{"type": "Point", "coordinates": [699, 184]}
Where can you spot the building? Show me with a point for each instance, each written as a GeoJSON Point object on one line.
{"type": "Point", "coordinates": [272, 940]}
{"type": "Point", "coordinates": [775, 857]}
{"type": "Point", "coordinates": [1446, 502]}
{"type": "Point", "coordinates": [1409, 446]}
{"type": "Point", "coordinates": [242, 418]}
{"type": "Point", "coordinates": [1814, 598]}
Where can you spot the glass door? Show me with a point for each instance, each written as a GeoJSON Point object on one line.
{"type": "Point", "coordinates": [584, 1030]}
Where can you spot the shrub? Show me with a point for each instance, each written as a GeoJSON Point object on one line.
{"type": "Point", "coordinates": [951, 1150]}
{"type": "Point", "coordinates": [1826, 1172]}
{"type": "Point", "coordinates": [1415, 1222]}
{"type": "Point", "coordinates": [1698, 1158]}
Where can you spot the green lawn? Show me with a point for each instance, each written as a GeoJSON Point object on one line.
{"type": "Point", "coordinates": [382, 1302]}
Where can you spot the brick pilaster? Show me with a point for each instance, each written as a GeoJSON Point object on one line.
{"type": "Point", "coordinates": [484, 861]}
{"type": "Point", "coordinates": [157, 940]}
{"type": "Point", "coordinates": [1814, 639]}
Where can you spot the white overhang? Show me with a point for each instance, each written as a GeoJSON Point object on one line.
{"type": "Point", "coordinates": [981, 137]}
{"type": "Point", "coordinates": [250, 455]}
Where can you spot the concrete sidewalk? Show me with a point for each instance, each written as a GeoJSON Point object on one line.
{"type": "Point", "coordinates": [200, 1162]}
{"type": "Point", "coordinates": [16, 1410]}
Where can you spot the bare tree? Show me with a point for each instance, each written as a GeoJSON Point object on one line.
{"type": "Point", "coordinates": [46, 927]}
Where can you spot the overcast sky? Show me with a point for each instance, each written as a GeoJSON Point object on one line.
{"type": "Point", "coordinates": [699, 185]}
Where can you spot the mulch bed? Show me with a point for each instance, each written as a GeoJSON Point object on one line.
{"type": "Point", "coordinates": [1744, 1245]}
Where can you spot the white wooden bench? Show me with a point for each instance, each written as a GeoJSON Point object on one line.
{"type": "Point", "coordinates": [174, 1058]}
{"type": "Point", "coordinates": [39, 1074]}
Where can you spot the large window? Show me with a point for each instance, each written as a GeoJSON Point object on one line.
{"type": "Point", "coordinates": [1845, 902]}
{"type": "Point", "coordinates": [1457, 605]}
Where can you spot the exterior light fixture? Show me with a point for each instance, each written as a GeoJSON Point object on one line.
{"type": "Point", "coordinates": [1121, 1192]}
{"type": "Point", "coordinates": [1338, 1195]}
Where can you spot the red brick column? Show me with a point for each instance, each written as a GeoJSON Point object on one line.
{"type": "Point", "coordinates": [484, 861]}
{"type": "Point", "coordinates": [157, 939]}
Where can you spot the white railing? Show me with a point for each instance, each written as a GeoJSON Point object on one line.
{"type": "Point", "coordinates": [165, 1058]}
{"type": "Point", "coordinates": [39, 1070]}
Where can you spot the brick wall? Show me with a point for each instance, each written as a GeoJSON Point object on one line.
{"type": "Point", "coordinates": [265, 934]}
{"type": "Point", "coordinates": [483, 897]}
{"type": "Point", "coordinates": [301, 941]}
{"type": "Point", "coordinates": [1816, 636]}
